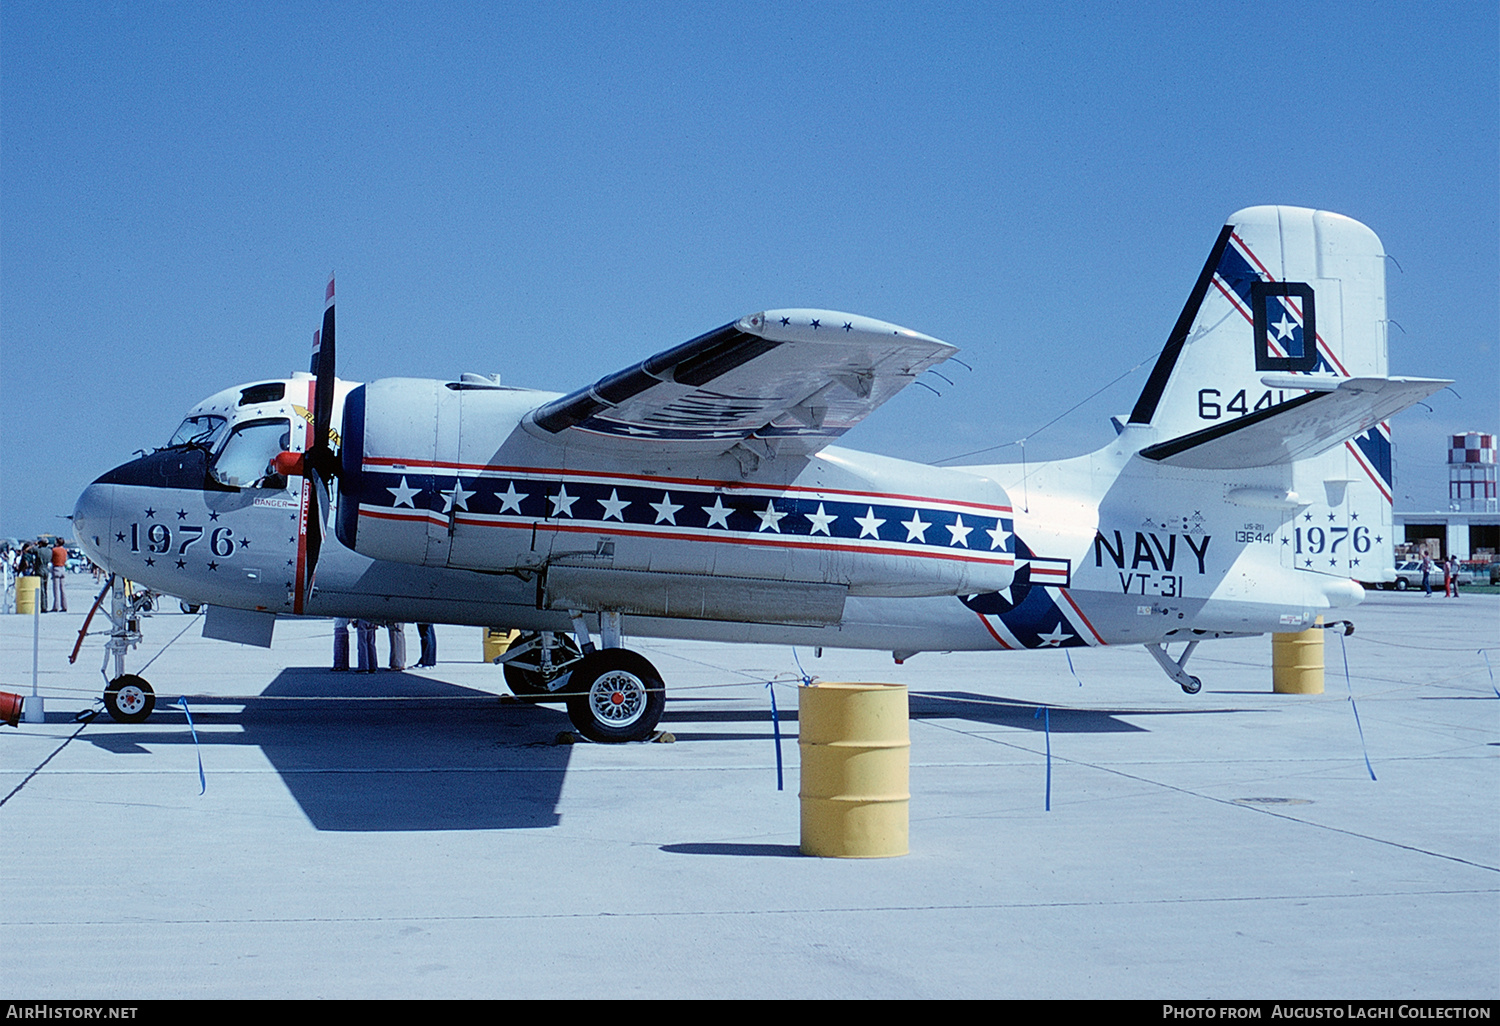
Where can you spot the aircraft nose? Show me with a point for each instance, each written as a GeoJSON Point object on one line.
{"type": "Point", "coordinates": [91, 523]}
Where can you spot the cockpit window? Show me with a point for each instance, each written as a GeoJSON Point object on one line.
{"type": "Point", "coordinates": [270, 392]}
{"type": "Point", "coordinates": [204, 429]}
{"type": "Point", "coordinates": [245, 460]}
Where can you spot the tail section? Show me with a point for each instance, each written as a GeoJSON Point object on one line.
{"type": "Point", "coordinates": [1287, 293]}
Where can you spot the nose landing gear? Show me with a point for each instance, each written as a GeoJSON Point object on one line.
{"type": "Point", "coordinates": [129, 699]}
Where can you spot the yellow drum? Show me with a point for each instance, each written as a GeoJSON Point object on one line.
{"type": "Point", "coordinates": [856, 762]}
{"type": "Point", "coordinates": [496, 642]}
{"type": "Point", "coordinates": [1297, 662]}
{"type": "Point", "coordinates": [26, 588]}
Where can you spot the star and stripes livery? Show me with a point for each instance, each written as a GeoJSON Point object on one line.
{"type": "Point", "coordinates": [698, 493]}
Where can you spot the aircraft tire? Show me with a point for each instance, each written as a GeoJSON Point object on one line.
{"type": "Point", "coordinates": [1193, 685]}
{"type": "Point", "coordinates": [129, 699]}
{"type": "Point", "coordinates": [616, 695]}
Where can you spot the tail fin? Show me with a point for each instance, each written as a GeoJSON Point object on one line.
{"type": "Point", "coordinates": [1288, 292]}
{"type": "Point", "coordinates": [1285, 290]}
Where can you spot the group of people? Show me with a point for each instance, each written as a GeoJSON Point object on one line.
{"type": "Point", "coordinates": [1450, 575]}
{"type": "Point", "coordinates": [46, 563]}
{"type": "Point", "coordinates": [364, 634]}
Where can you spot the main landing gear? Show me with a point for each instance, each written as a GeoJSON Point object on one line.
{"type": "Point", "coordinates": [612, 693]}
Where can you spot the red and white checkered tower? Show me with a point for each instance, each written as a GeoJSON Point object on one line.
{"type": "Point", "coordinates": [1471, 473]}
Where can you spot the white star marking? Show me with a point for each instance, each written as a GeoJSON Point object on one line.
{"type": "Point", "coordinates": [718, 513]}
{"type": "Point", "coordinates": [769, 518]}
{"type": "Point", "coordinates": [960, 533]}
{"type": "Point", "coordinates": [1284, 327]}
{"type": "Point", "coordinates": [666, 509]}
{"type": "Point", "coordinates": [820, 520]}
{"type": "Point", "coordinates": [403, 494]}
{"type": "Point", "coordinates": [562, 502]}
{"type": "Point", "coordinates": [511, 499]}
{"type": "Point", "coordinates": [456, 496]}
{"type": "Point", "coordinates": [869, 524]}
{"type": "Point", "coordinates": [998, 536]}
{"type": "Point", "coordinates": [916, 530]}
{"type": "Point", "coordinates": [614, 506]}
{"type": "Point", "coordinates": [1056, 638]}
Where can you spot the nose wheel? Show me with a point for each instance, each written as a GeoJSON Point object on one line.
{"type": "Point", "coordinates": [615, 695]}
{"type": "Point", "coordinates": [129, 699]}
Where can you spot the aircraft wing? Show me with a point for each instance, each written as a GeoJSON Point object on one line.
{"type": "Point", "coordinates": [773, 383]}
{"type": "Point", "coordinates": [1303, 427]}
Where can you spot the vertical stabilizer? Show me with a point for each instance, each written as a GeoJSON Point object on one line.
{"type": "Point", "coordinates": [1288, 292]}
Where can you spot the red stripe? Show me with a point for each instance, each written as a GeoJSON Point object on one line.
{"type": "Point", "coordinates": [1319, 338]}
{"type": "Point", "coordinates": [993, 633]}
{"type": "Point", "coordinates": [1085, 619]}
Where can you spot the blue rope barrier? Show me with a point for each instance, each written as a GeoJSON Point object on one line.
{"type": "Point", "coordinates": [1363, 748]}
{"type": "Point", "coordinates": [202, 780]}
{"type": "Point", "coordinates": [1047, 726]}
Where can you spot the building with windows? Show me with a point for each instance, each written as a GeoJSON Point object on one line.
{"type": "Point", "coordinates": [1470, 527]}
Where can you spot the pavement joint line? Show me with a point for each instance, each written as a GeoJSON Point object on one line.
{"type": "Point", "coordinates": [1263, 810]}
{"type": "Point", "coordinates": [799, 911]}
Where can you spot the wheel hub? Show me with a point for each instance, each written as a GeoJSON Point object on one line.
{"type": "Point", "coordinates": [131, 699]}
{"type": "Point", "coordinates": [618, 698]}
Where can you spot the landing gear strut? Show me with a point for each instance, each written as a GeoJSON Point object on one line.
{"type": "Point", "coordinates": [128, 698]}
{"type": "Point", "coordinates": [537, 665]}
{"type": "Point", "coordinates": [1176, 669]}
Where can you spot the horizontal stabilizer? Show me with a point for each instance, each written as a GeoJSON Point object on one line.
{"type": "Point", "coordinates": [1299, 429]}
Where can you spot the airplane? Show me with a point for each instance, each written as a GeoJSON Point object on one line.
{"type": "Point", "coordinates": [698, 494]}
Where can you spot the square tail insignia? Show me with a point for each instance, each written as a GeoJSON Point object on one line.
{"type": "Point", "coordinates": [1285, 326]}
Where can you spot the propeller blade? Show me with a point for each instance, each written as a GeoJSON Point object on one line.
{"type": "Point", "coordinates": [323, 396]}
{"type": "Point", "coordinates": [320, 464]}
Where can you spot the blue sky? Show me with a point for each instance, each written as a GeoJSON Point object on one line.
{"type": "Point", "coordinates": [554, 191]}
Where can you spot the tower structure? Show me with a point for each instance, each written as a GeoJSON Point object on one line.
{"type": "Point", "coordinates": [1472, 473]}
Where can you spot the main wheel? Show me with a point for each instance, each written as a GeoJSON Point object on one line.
{"type": "Point", "coordinates": [615, 695]}
{"type": "Point", "coordinates": [524, 675]}
{"type": "Point", "coordinates": [129, 699]}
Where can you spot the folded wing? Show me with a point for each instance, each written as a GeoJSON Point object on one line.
{"type": "Point", "coordinates": [773, 383]}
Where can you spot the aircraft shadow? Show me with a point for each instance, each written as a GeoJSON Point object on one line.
{"type": "Point", "coordinates": [937, 705]}
{"type": "Point", "coordinates": [388, 751]}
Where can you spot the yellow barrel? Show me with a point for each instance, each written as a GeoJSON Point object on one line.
{"type": "Point", "coordinates": [496, 641]}
{"type": "Point", "coordinates": [856, 768]}
{"type": "Point", "coordinates": [26, 594]}
{"type": "Point", "coordinates": [1297, 662]}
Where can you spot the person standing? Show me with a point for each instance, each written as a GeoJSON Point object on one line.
{"type": "Point", "coordinates": [398, 645]}
{"type": "Point", "coordinates": [60, 567]}
{"type": "Point", "coordinates": [36, 566]}
{"type": "Point", "coordinates": [341, 643]}
{"type": "Point", "coordinates": [428, 636]}
{"type": "Point", "coordinates": [1427, 569]}
{"type": "Point", "coordinates": [364, 643]}
{"type": "Point", "coordinates": [1450, 577]}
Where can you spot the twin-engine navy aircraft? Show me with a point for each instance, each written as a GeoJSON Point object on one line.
{"type": "Point", "coordinates": [697, 494]}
